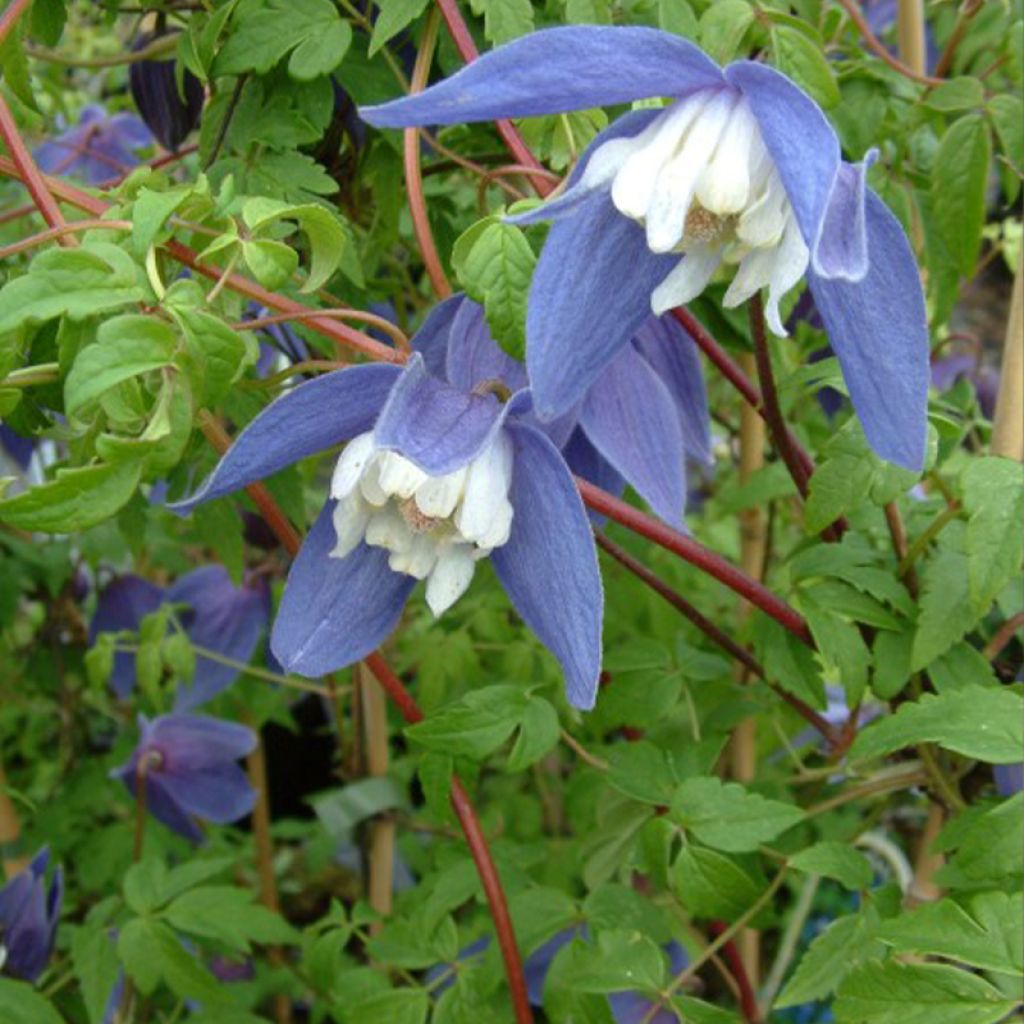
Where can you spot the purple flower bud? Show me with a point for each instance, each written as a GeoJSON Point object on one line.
{"type": "Point", "coordinates": [29, 913]}
{"type": "Point", "coordinates": [169, 114]}
{"type": "Point", "coordinates": [188, 765]}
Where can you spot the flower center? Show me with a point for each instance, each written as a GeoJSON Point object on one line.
{"type": "Point", "coordinates": [434, 527]}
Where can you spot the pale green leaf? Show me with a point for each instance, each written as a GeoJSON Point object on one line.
{"type": "Point", "coordinates": [835, 860]}
{"type": "Point", "coordinates": [20, 1003]}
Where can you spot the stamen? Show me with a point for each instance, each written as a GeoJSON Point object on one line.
{"type": "Point", "coordinates": [702, 226]}
{"type": "Point", "coordinates": [493, 386]}
{"type": "Point", "coordinates": [415, 519]}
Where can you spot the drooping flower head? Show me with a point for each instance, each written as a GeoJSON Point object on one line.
{"type": "Point", "coordinates": [29, 912]}
{"type": "Point", "coordinates": [187, 764]}
{"type": "Point", "coordinates": [439, 472]}
{"type": "Point", "coordinates": [170, 113]}
{"type": "Point", "coordinates": [741, 168]}
{"type": "Point", "coordinates": [217, 616]}
{"type": "Point", "coordinates": [98, 149]}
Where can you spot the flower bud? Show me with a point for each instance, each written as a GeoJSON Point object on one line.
{"type": "Point", "coordinates": [155, 91]}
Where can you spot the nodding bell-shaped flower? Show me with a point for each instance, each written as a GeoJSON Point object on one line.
{"type": "Point", "coordinates": [741, 169]}
{"type": "Point", "coordinates": [440, 470]}
{"type": "Point", "coordinates": [187, 765]}
{"type": "Point", "coordinates": [29, 912]}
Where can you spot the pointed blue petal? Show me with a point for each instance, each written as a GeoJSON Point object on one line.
{"type": "Point", "coordinates": [879, 330]}
{"type": "Point", "coordinates": [569, 202]}
{"type": "Point", "coordinates": [672, 353]}
{"type": "Point", "coordinates": [166, 809]}
{"type": "Point", "coordinates": [842, 247]}
{"type": "Point", "coordinates": [630, 418]}
{"type": "Point", "coordinates": [584, 460]}
{"type": "Point", "coordinates": [549, 565]}
{"type": "Point", "coordinates": [223, 618]}
{"type": "Point", "coordinates": [221, 794]}
{"type": "Point", "coordinates": [591, 291]}
{"type": "Point", "coordinates": [474, 356]}
{"type": "Point", "coordinates": [316, 415]}
{"type": "Point", "coordinates": [798, 137]}
{"type": "Point", "coordinates": [336, 610]}
{"type": "Point", "coordinates": [192, 743]}
{"type": "Point", "coordinates": [434, 425]}
{"type": "Point", "coordinates": [569, 68]}
{"type": "Point", "coordinates": [431, 340]}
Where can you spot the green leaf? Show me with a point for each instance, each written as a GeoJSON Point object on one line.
{"type": "Point", "coordinates": [21, 1004]}
{"type": "Point", "coordinates": [15, 69]}
{"type": "Point", "coordinates": [788, 662]}
{"type": "Point", "coordinates": [715, 885]}
{"type": "Point", "coordinates": [47, 21]}
{"type": "Point", "coordinates": [272, 263]}
{"type": "Point", "coordinates": [125, 347]}
{"type": "Point", "coordinates": [410, 943]}
{"type": "Point", "coordinates": [982, 723]}
{"type": "Point", "coordinates": [677, 16]}
{"type": "Point", "coordinates": [619, 961]}
{"type": "Point", "coordinates": [504, 19]}
{"type": "Point", "coordinates": [729, 817]}
{"type": "Point", "coordinates": [538, 734]}
{"type": "Point", "coordinates": [644, 772]}
{"type": "Point", "coordinates": [987, 848]}
{"type": "Point", "coordinates": [228, 915]}
{"type": "Point", "coordinates": [496, 272]}
{"type": "Point", "coordinates": [264, 31]}
{"type": "Point", "coordinates": [958, 188]}
{"type": "Point", "coordinates": [803, 60]}
{"type": "Point", "coordinates": [722, 27]}
{"type": "Point", "coordinates": [988, 932]}
{"type": "Point", "coordinates": [76, 283]}
{"type": "Point", "coordinates": [840, 861]}
{"type": "Point", "coordinates": [837, 485]}
{"type": "Point", "coordinates": [341, 810]}
{"type": "Point", "coordinates": [397, 1006]}
{"type": "Point", "coordinates": [75, 500]}
{"type": "Point", "coordinates": [957, 94]}
{"type": "Point", "coordinates": [475, 725]}
{"type": "Point", "coordinates": [151, 211]}
{"type": "Point", "coordinates": [588, 12]}
{"type": "Point", "coordinates": [961, 667]}
{"type": "Point", "coordinates": [618, 906]}
{"type": "Point", "coordinates": [891, 656]}
{"type": "Point", "coordinates": [393, 16]}
{"type": "Point", "coordinates": [94, 958]}
{"type": "Point", "coordinates": [539, 913]}
{"type": "Point", "coordinates": [219, 355]}
{"type": "Point", "coordinates": [1007, 113]}
{"type": "Point", "coordinates": [897, 993]}
{"type": "Point", "coordinates": [841, 646]}
{"type": "Point", "coordinates": [947, 612]}
{"type": "Point", "coordinates": [993, 490]}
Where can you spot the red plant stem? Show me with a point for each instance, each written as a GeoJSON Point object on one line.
{"type": "Point", "coordinates": [878, 48]}
{"type": "Point", "coordinates": [10, 17]}
{"type": "Point", "coordinates": [748, 998]}
{"type": "Point", "coordinates": [413, 172]}
{"type": "Point", "coordinates": [769, 407]}
{"type": "Point", "coordinates": [697, 555]}
{"type": "Point", "coordinates": [478, 848]}
{"type": "Point", "coordinates": [29, 174]}
{"type": "Point", "coordinates": [1006, 632]}
{"type": "Point", "coordinates": [713, 632]}
{"type": "Point", "coordinates": [459, 31]}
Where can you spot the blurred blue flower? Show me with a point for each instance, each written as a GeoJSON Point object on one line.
{"type": "Point", "coordinates": [29, 912]}
{"type": "Point", "coordinates": [188, 764]}
{"type": "Point", "coordinates": [742, 168]}
{"type": "Point", "coordinates": [17, 447]}
{"type": "Point", "coordinates": [220, 617]}
{"type": "Point", "coordinates": [98, 149]}
{"type": "Point", "coordinates": [438, 473]}
{"type": "Point", "coordinates": [947, 370]}
{"type": "Point", "coordinates": [1009, 778]}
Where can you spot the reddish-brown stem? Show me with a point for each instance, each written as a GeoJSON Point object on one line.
{"type": "Point", "coordinates": [29, 174]}
{"type": "Point", "coordinates": [50, 234]}
{"type": "Point", "coordinates": [748, 998]}
{"type": "Point", "coordinates": [396, 334]}
{"type": "Point", "coordinates": [697, 555]}
{"type": "Point", "coordinates": [713, 632]}
{"type": "Point", "coordinates": [10, 17]}
{"type": "Point", "coordinates": [769, 408]}
{"type": "Point", "coordinates": [878, 48]}
{"type": "Point", "coordinates": [478, 848]}
{"type": "Point", "coordinates": [969, 9]}
{"type": "Point", "coordinates": [413, 172]}
{"type": "Point", "coordinates": [1003, 636]}
{"type": "Point", "coordinates": [898, 533]}
{"type": "Point", "coordinates": [459, 31]}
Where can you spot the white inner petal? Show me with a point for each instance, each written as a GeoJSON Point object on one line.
{"type": "Point", "coordinates": [434, 527]}
{"type": "Point", "coordinates": [687, 279]}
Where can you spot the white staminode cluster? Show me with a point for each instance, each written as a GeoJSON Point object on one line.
{"type": "Point", "coordinates": [701, 181]}
{"type": "Point", "coordinates": [436, 527]}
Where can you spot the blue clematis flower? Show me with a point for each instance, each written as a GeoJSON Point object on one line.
{"type": "Point", "coordinates": [1009, 778]}
{"type": "Point", "coordinates": [741, 168]}
{"type": "Point", "coordinates": [219, 617]}
{"type": "Point", "coordinates": [437, 474]}
{"type": "Point", "coordinates": [29, 912]}
{"type": "Point", "coordinates": [98, 149]}
{"type": "Point", "coordinates": [639, 420]}
{"type": "Point", "coordinates": [189, 769]}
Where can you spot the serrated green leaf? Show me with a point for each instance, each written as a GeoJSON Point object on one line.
{"type": "Point", "coordinates": [619, 961]}
{"type": "Point", "coordinates": [643, 771]}
{"type": "Point", "coordinates": [993, 489]}
{"type": "Point", "coordinates": [394, 15]}
{"type": "Point", "coordinates": [982, 723]}
{"type": "Point", "coordinates": [76, 283]}
{"type": "Point", "coordinates": [1007, 112]}
{"type": "Point", "coordinates": [840, 861]}
{"type": "Point", "coordinates": [504, 19]}
{"type": "Point", "coordinates": [75, 500]}
{"type": "Point", "coordinates": [987, 849]}
{"type": "Point", "coordinates": [841, 647]}
{"type": "Point", "coordinates": [474, 726]}
{"type": "Point", "coordinates": [538, 734]}
{"type": "Point", "coordinates": [677, 16]}
{"type": "Point", "coordinates": [126, 346]}
{"type": "Point", "coordinates": [727, 816]}
{"type": "Point", "coordinates": [272, 263]}
{"type": "Point", "coordinates": [803, 60]}
{"type": "Point", "coordinates": [94, 959]}
{"type": "Point", "coordinates": [891, 992]}
{"type": "Point", "coordinates": [228, 915]}
{"type": "Point", "coordinates": [716, 885]}
{"type": "Point", "coordinates": [947, 612]}
{"type": "Point", "coordinates": [151, 211]}
{"type": "Point", "coordinates": [219, 355]}
{"type": "Point", "coordinates": [891, 657]}
{"type": "Point", "coordinates": [20, 1003]}
{"type": "Point", "coordinates": [957, 94]}
{"type": "Point", "coordinates": [722, 27]}
{"type": "Point", "coordinates": [539, 913]}
{"type": "Point", "coordinates": [264, 31]}
{"type": "Point", "coordinates": [958, 188]}
{"type": "Point", "coordinates": [987, 932]}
